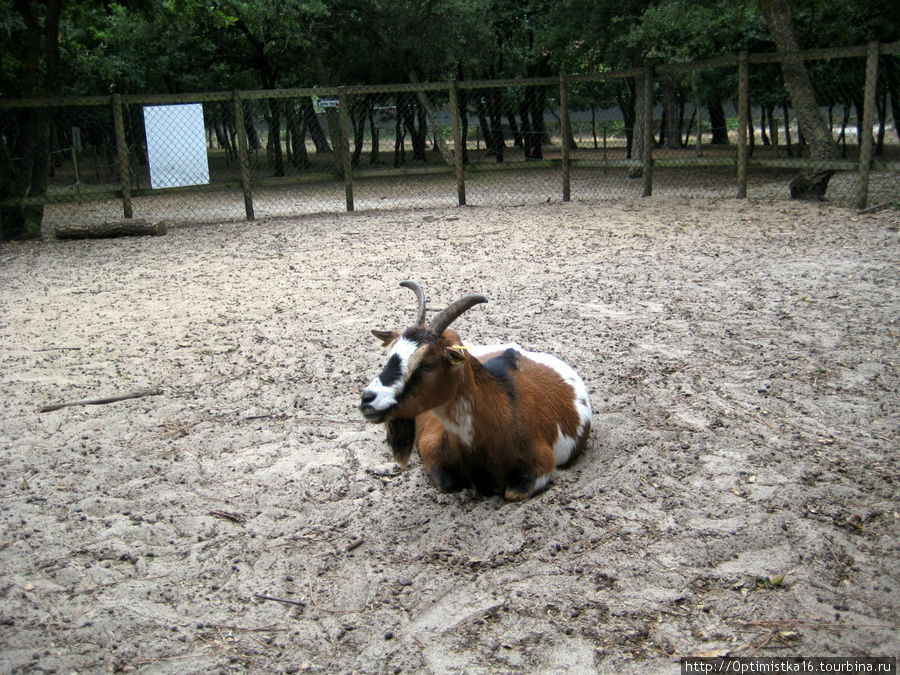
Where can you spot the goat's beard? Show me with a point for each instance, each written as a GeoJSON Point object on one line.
{"type": "Point", "coordinates": [401, 436]}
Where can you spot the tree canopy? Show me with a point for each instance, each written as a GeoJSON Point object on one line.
{"type": "Point", "coordinates": [154, 46]}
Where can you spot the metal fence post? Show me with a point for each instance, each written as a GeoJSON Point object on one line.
{"type": "Point", "coordinates": [865, 140]}
{"type": "Point", "coordinates": [122, 148]}
{"type": "Point", "coordinates": [457, 144]}
{"type": "Point", "coordinates": [647, 131]}
{"type": "Point", "coordinates": [743, 122]}
{"type": "Point", "coordinates": [346, 163]}
{"type": "Point", "coordinates": [243, 159]}
{"type": "Point", "coordinates": [565, 131]}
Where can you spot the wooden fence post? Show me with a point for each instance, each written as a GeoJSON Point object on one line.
{"type": "Point", "coordinates": [743, 122]}
{"type": "Point", "coordinates": [565, 131]}
{"type": "Point", "coordinates": [647, 131]}
{"type": "Point", "coordinates": [346, 163]}
{"type": "Point", "coordinates": [457, 143]}
{"type": "Point", "coordinates": [243, 158]}
{"type": "Point", "coordinates": [866, 141]}
{"type": "Point", "coordinates": [122, 148]}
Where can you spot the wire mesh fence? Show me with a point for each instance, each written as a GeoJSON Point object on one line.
{"type": "Point", "coordinates": [719, 128]}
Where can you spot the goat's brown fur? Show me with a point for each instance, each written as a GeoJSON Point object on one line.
{"type": "Point", "coordinates": [490, 421]}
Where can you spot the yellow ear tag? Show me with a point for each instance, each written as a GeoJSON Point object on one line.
{"type": "Point", "coordinates": [456, 354]}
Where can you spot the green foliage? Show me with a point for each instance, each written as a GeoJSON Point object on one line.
{"type": "Point", "coordinates": [184, 45]}
{"type": "Point", "coordinates": [12, 27]}
{"type": "Point", "coordinates": [837, 23]}
{"type": "Point", "coordinates": [681, 30]}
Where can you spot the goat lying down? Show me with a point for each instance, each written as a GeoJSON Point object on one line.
{"type": "Point", "coordinates": [495, 417]}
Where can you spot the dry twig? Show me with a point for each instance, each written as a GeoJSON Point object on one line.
{"type": "Point", "coordinates": [821, 625]}
{"type": "Point", "coordinates": [101, 401]}
{"type": "Point", "coordinates": [228, 515]}
{"type": "Point", "coordinates": [286, 601]}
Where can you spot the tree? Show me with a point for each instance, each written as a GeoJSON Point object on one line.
{"type": "Point", "coordinates": [270, 37]}
{"type": "Point", "coordinates": [811, 183]}
{"type": "Point", "coordinates": [32, 69]}
{"type": "Point", "coordinates": [411, 40]}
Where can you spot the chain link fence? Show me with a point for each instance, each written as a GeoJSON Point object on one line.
{"type": "Point", "coordinates": [713, 129]}
{"type": "Point", "coordinates": [777, 146]}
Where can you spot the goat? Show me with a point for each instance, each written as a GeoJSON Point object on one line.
{"type": "Point", "coordinates": [495, 417]}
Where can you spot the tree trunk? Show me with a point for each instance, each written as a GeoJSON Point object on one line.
{"type": "Point", "coordinates": [672, 117]}
{"type": "Point", "coordinates": [312, 124]}
{"type": "Point", "coordinates": [413, 118]}
{"type": "Point", "coordinates": [399, 133]}
{"type": "Point", "coordinates": [532, 115]}
{"type": "Point", "coordinates": [29, 178]}
{"type": "Point", "coordinates": [275, 136]}
{"type": "Point", "coordinates": [881, 109]}
{"type": "Point", "coordinates": [892, 81]}
{"type": "Point", "coordinates": [637, 137]}
{"type": "Point", "coordinates": [444, 146]}
{"type": "Point", "coordinates": [253, 139]}
{"type": "Point", "coordinates": [812, 183]}
{"type": "Point", "coordinates": [491, 128]}
{"type": "Point", "coordinates": [751, 133]}
{"type": "Point", "coordinates": [788, 142]}
{"type": "Point", "coordinates": [718, 124]}
{"type": "Point", "coordinates": [297, 129]}
{"type": "Point", "coordinates": [515, 131]}
{"type": "Point", "coordinates": [332, 115]}
{"type": "Point", "coordinates": [373, 128]}
{"type": "Point", "coordinates": [463, 104]}
{"type": "Point", "coordinates": [625, 97]}
{"type": "Point", "coordinates": [525, 128]}
{"type": "Point", "coordinates": [358, 116]}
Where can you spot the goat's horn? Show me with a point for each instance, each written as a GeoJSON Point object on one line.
{"type": "Point", "coordinates": [420, 296]}
{"type": "Point", "coordinates": [452, 312]}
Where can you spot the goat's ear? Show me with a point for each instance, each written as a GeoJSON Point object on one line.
{"type": "Point", "coordinates": [387, 337]}
{"type": "Point", "coordinates": [455, 354]}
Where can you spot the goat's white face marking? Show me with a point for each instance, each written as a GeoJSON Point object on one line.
{"type": "Point", "coordinates": [382, 393]}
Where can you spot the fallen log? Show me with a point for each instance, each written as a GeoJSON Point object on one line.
{"type": "Point", "coordinates": [129, 227]}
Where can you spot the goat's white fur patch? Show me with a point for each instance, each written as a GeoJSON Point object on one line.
{"type": "Point", "coordinates": [460, 422]}
{"type": "Point", "coordinates": [386, 392]}
{"type": "Point", "coordinates": [564, 446]}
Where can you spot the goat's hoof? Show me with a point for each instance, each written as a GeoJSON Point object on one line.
{"type": "Point", "coordinates": [445, 480]}
{"type": "Point", "coordinates": [525, 488]}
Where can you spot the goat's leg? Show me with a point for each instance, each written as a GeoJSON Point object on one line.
{"type": "Point", "coordinates": [447, 479]}
{"type": "Point", "coordinates": [441, 459]}
{"type": "Point", "coordinates": [536, 479]}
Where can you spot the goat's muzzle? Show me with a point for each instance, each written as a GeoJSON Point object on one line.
{"type": "Point", "coordinates": [369, 411]}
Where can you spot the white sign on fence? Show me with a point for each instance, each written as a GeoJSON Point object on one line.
{"type": "Point", "coordinates": [176, 145]}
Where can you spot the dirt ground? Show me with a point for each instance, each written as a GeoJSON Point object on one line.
{"type": "Point", "coordinates": [738, 495]}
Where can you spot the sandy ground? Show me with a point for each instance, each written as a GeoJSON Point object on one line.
{"type": "Point", "coordinates": [738, 495]}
